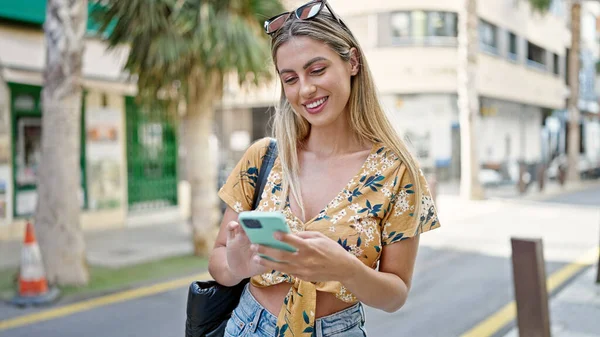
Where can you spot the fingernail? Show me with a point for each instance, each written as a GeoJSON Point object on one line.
{"type": "Point", "coordinates": [254, 247]}
{"type": "Point", "coordinates": [277, 235]}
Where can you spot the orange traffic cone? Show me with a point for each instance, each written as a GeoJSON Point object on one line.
{"type": "Point", "coordinates": [33, 286]}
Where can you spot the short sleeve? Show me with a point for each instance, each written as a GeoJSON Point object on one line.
{"type": "Point", "coordinates": [399, 222]}
{"type": "Point", "coordinates": [238, 190]}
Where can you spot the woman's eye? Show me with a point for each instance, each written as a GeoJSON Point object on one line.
{"type": "Point", "coordinates": [318, 71]}
{"type": "Point", "coordinates": [289, 80]}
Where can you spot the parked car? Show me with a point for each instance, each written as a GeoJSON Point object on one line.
{"type": "Point", "coordinates": [587, 167]}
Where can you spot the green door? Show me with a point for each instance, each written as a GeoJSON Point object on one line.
{"type": "Point", "coordinates": [26, 120]}
{"type": "Point", "coordinates": [151, 158]}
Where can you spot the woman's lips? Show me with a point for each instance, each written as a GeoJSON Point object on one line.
{"type": "Point", "coordinates": [318, 108]}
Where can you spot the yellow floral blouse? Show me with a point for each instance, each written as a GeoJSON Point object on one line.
{"type": "Point", "coordinates": [374, 210]}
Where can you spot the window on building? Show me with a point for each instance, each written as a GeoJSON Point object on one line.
{"type": "Point", "coordinates": [401, 25]}
{"type": "Point", "coordinates": [581, 136]}
{"type": "Point", "coordinates": [424, 28]}
{"type": "Point", "coordinates": [488, 37]}
{"type": "Point", "coordinates": [442, 24]}
{"type": "Point", "coordinates": [512, 46]}
{"type": "Point", "coordinates": [555, 64]}
{"type": "Point", "coordinates": [28, 152]}
{"type": "Point", "coordinates": [536, 56]}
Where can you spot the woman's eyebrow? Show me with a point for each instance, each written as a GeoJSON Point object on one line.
{"type": "Point", "coordinates": [308, 64]}
{"type": "Point", "coordinates": [316, 59]}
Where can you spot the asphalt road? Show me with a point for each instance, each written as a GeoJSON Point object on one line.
{"type": "Point", "coordinates": [588, 197]}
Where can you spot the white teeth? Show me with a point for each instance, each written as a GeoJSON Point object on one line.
{"type": "Point", "coordinates": [317, 103]}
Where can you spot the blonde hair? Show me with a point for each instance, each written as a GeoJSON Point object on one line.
{"type": "Point", "coordinates": [367, 117]}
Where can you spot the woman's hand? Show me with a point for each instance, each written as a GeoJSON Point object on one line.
{"type": "Point", "coordinates": [317, 259]}
{"type": "Point", "coordinates": [240, 258]}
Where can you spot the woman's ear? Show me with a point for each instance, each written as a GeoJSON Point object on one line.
{"type": "Point", "coordinates": [354, 61]}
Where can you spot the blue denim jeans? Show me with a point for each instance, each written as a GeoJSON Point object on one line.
{"type": "Point", "coordinates": [252, 319]}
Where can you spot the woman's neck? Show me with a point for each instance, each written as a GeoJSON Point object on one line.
{"type": "Point", "coordinates": [335, 139]}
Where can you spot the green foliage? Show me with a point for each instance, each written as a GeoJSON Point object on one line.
{"type": "Point", "coordinates": [172, 39]}
{"type": "Point", "coordinates": [105, 279]}
{"type": "Point", "coordinates": [540, 5]}
{"type": "Point", "coordinates": [8, 282]}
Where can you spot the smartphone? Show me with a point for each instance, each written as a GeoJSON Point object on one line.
{"type": "Point", "coordinates": [260, 227]}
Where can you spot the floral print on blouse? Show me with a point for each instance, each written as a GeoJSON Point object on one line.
{"type": "Point", "coordinates": [375, 209]}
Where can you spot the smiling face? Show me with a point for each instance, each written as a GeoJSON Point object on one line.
{"type": "Point", "coordinates": [316, 81]}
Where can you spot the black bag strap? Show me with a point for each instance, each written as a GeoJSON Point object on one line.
{"type": "Point", "coordinates": [265, 169]}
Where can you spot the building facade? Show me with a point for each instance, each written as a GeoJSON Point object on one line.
{"type": "Point", "coordinates": [128, 156]}
{"type": "Point", "coordinates": [412, 50]}
{"type": "Point", "coordinates": [411, 47]}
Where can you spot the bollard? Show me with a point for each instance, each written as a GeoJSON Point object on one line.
{"type": "Point", "coordinates": [522, 184]}
{"type": "Point", "coordinates": [562, 175]}
{"type": "Point", "coordinates": [529, 277]}
{"type": "Point", "coordinates": [541, 176]}
{"type": "Point", "coordinates": [598, 268]}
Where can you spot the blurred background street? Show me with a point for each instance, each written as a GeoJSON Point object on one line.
{"type": "Point", "coordinates": [510, 151]}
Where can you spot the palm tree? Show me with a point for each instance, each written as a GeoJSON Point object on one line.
{"type": "Point", "coordinates": [58, 207]}
{"type": "Point", "coordinates": [181, 51]}
{"type": "Point", "coordinates": [573, 102]}
{"type": "Point", "coordinates": [468, 99]}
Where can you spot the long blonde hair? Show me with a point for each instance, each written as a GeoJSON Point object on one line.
{"type": "Point", "coordinates": [367, 117]}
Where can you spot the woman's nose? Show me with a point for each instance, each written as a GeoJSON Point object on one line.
{"type": "Point", "coordinates": [308, 89]}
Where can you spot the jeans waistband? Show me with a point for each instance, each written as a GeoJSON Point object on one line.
{"type": "Point", "coordinates": [253, 312]}
{"type": "Point", "coordinates": [340, 321]}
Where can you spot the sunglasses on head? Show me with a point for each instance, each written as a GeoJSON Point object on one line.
{"type": "Point", "coordinates": [304, 12]}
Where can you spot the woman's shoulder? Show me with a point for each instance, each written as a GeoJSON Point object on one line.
{"type": "Point", "coordinates": [386, 156]}
{"type": "Point", "coordinates": [238, 191]}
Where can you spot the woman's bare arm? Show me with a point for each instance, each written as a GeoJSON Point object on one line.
{"type": "Point", "coordinates": [217, 263]}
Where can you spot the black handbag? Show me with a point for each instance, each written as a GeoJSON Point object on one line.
{"type": "Point", "coordinates": [209, 304]}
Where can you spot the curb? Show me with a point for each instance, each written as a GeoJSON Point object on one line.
{"type": "Point", "coordinates": [26, 301]}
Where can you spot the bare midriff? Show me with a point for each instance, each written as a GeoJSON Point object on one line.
{"type": "Point", "coordinates": [271, 298]}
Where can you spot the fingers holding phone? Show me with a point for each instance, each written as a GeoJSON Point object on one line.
{"type": "Point", "coordinates": [233, 229]}
{"type": "Point", "coordinates": [260, 228]}
{"type": "Point", "coordinates": [239, 254]}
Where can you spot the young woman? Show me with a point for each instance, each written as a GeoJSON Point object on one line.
{"type": "Point", "coordinates": [350, 191]}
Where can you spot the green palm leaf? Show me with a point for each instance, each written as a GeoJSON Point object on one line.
{"type": "Point", "coordinates": [170, 39]}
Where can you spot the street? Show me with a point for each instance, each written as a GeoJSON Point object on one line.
{"type": "Point", "coordinates": [463, 274]}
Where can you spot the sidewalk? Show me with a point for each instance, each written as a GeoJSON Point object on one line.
{"type": "Point", "coordinates": [574, 312]}
{"type": "Point", "coordinates": [575, 309]}
{"type": "Point", "coordinates": [121, 247]}
{"type": "Point", "coordinates": [509, 191]}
